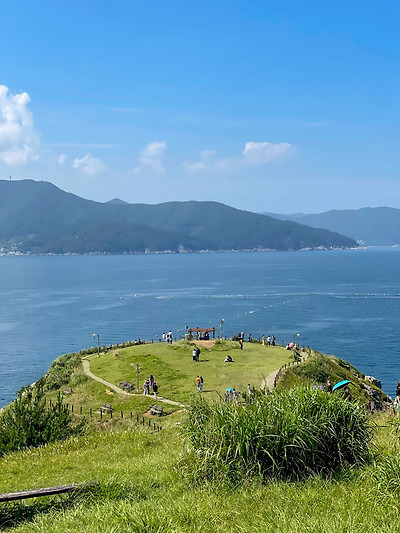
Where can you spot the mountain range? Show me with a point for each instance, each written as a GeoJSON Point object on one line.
{"type": "Point", "coordinates": [373, 226]}
{"type": "Point", "coordinates": [38, 217]}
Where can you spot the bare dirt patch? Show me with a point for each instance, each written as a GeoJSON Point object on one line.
{"type": "Point", "coordinates": [205, 344]}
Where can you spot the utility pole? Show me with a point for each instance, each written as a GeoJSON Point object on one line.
{"type": "Point", "coordinates": [137, 376]}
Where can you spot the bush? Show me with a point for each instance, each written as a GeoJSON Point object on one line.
{"type": "Point", "coordinates": [287, 435]}
{"type": "Point", "coordinates": [60, 370]}
{"type": "Point", "coordinates": [28, 422]}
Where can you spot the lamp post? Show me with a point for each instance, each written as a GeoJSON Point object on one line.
{"type": "Point", "coordinates": [294, 338]}
{"type": "Point", "coordinates": [137, 376]}
{"type": "Point", "coordinates": [98, 342]}
{"type": "Point", "coordinates": [222, 328]}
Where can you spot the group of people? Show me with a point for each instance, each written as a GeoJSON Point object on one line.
{"type": "Point", "coordinates": [167, 337]}
{"type": "Point", "coordinates": [150, 384]}
{"type": "Point", "coordinates": [231, 395]}
{"type": "Point", "coordinates": [270, 341]}
{"type": "Point", "coordinates": [196, 354]}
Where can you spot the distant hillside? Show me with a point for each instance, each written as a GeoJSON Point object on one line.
{"type": "Point", "coordinates": [41, 218]}
{"type": "Point", "coordinates": [379, 226]}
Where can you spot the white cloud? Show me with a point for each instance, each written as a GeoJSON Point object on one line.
{"type": "Point", "coordinates": [151, 156]}
{"type": "Point", "coordinates": [89, 165]}
{"type": "Point", "coordinates": [18, 139]}
{"type": "Point", "coordinates": [262, 153]}
{"type": "Point", "coordinates": [62, 158]}
{"type": "Point", "coordinates": [254, 154]}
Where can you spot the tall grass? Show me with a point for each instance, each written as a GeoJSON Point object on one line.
{"type": "Point", "coordinates": [286, 435]}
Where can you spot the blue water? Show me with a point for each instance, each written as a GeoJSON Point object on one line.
{"type": "Point", "coordinates": [344, 302]}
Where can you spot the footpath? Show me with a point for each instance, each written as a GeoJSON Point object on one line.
{"type": "Point", "coordinates": [89, 373]}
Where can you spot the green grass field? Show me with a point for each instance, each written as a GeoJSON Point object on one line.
{"type": "Point", "coordinates": [143, 488]}
{"type": "Point", "coordinates": [175, 371]}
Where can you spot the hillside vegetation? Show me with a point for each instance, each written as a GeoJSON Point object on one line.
{"type": "Point", "coordinates": [38, 217]}
{"type": "Point", "coordinates": [375, 226]}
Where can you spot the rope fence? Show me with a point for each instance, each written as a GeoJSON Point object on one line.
{"type": "Point", "coordinates": [110, 414]}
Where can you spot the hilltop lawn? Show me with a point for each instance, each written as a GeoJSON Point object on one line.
{"type": "Point", "coordinates": [175, 371]}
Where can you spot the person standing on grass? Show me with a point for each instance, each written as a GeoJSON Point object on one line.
{"type": "Point", "coordinates": [151, 380]}
{"type": "Point", "coordinates": [197, 382]}
{"type": "Point", "coordinates": [197, 354]}
{"type": "Point", "coordinates": [146, 388]}
{"type": "Point", "coordinates": [155, 390]}
{"type": "Point", "coordinates": [201, 384]}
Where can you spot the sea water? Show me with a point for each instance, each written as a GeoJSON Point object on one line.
{"type": "Point", "coordinates": [345, 303]}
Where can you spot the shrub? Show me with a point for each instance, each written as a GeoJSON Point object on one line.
{"type": "Point", "coordinates": [60, 370]}
{"type": "Point", "coordinates": [288, 435]}
{"type": "Point", "coordinates": [28, 422]}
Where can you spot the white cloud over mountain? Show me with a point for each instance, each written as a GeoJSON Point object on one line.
{"type": "Point", "coordinates": [89, 165]}
{"type": "Point", "coordinates": [253, 154]}
{"type": "Point", "coordinates": [151, 156]}
{"type": "Point", "coordinates": [18, 139]}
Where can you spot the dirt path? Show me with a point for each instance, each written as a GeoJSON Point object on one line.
{"type": "Point", "coordinates": [88, 372]}
{"type": "Point", "coordinates": [268, 382]}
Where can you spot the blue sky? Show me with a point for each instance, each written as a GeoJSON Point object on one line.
{"type": "Point", "coordinates": [280, 106]}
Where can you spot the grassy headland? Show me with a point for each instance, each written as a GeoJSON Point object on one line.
{"type": "Point", "coordinates": [146, 480]}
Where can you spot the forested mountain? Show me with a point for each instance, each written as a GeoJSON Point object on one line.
{"type": "Point", "coordinates": [39, 217]}
{"type": "Point", "coordinates": [379, 226]}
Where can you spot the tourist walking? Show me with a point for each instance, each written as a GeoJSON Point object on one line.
{"type": "Point", "coordinates": [155, 390]}
{"type": "Point", "coordinates": [151, 380]}
{"type": "Point", "coordinates": [146, 388]}
{"type": "Point", "coordinates": [197, 382]}
{"type": "Point", "coordinates": [201, 383]}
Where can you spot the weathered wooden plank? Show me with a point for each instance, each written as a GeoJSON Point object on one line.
{"type": "Point", "coordinates": [47, 491]}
